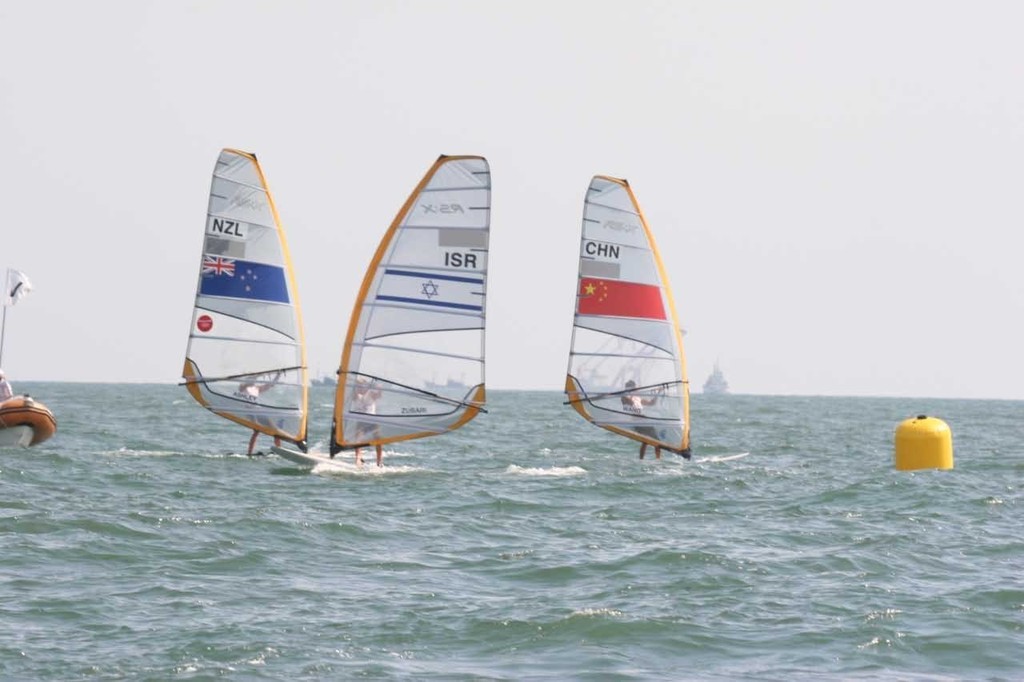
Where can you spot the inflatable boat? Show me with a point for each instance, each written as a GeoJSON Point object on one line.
{"type": "Point", "coordinates": [25, 422]}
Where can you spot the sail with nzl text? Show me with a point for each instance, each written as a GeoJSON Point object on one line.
{"type": "Point", "coordinates": [412, 363]}
{"type": "Point", "coordinates": [246, 357]}
{"type": "Point", "coordinates": [627, 370]}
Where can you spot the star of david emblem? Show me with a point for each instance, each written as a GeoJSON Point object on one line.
{"type": "Point", "coordinates": [429, 289]}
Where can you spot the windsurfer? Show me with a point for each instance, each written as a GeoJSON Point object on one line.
{"type": "Point", "coordinates": [634, 403]}
{"type": "Point", "coordinates": [6, 392]}
{"type": "Point", "coordinates": [251, 390]}
{"type": "Point", "coordinates": [365, 398]}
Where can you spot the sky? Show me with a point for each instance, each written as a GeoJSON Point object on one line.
{"type": "Point", "coordinates": [835, 187]}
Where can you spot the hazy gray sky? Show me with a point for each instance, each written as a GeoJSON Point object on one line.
{"type": "Point", "coordinates": [835, 187]}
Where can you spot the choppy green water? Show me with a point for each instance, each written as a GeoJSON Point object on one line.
{"type": "Point", "coordinates": [528, 545]}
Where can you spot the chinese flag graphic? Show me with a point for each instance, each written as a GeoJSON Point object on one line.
{"type": "Point", "coordinates": [620, 299]}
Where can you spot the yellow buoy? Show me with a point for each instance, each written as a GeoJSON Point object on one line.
{"type": "Point", "coordinates": [923, 443]}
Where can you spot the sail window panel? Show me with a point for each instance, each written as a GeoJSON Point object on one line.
{"type": "Point", "coordinates": [466, 343]}
{"type": "Point", "coordinates": [448, 369]}
{"type": "Point", "coordinates": [397, 401]}
{"type": "Point", "coordinates": [386, 320]}
{"type": "Point", "coordinates": [449, 250]}
{"type": "Point", "coordinates": [603, 363]}
{"type": "Point", "coordinates": [450, 208]}
{"type": "Point", "coordinates": [355, 429]}
{"type": "Point", "coordinates": [286, 417]}
{"type": "Point", "coordinates": [240, 202]}
{"type": "Point", "coordinates": [657, 335]}
{"type": "Point", "coordinates": [612, 226]}
{"type": "Point", "coordinates": [663, 405]}
{"type": "Point", "coordinates": [228, 396]}
{"type": "Point", "coordinates": [601, 374]}
{"type": "Point", "coordinates": [278, 318]}
{"type": "Point", "coordinates": [223, 397]}
{"type": "Point", "coordinates": [215, 357]}
{"type": "Point", "coordinates": [658, 416]}
{"type": "Point", "coordinates": [591, 340]}
{"type": "Point", "coordinates": [400, 413]}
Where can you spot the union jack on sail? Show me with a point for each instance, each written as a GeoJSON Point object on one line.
{"type": "Point", "coordinates": [215, 265]}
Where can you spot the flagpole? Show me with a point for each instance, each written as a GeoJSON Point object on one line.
{"type": "Point", "coordinates": [3, 331]}
{"type": "Point", "coordinates": [3, 304]}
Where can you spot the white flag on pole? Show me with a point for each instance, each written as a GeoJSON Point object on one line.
{"type": "Point", "coordinates": [16, 288]}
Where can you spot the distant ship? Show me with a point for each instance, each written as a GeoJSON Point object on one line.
{"type": "Point", "coordinates": [716, 383]}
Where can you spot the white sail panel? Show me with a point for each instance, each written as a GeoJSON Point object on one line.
{"type": "Point", "coordinates": [627, 371]}
{"type": "Point", "coordinates": [245, 359]}
{"type": "Point", "coordinates": [413, 362]}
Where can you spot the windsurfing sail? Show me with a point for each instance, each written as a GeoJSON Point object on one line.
{"type": "Point", "coordinates": [627, 371]}
{"type": "Point", "coordinates": [246, 356]}
{"type": "Point", "coordinates": [413, 360]}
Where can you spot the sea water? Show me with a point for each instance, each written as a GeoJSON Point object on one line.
{"type": "Point", "coordinates": [139, 544]}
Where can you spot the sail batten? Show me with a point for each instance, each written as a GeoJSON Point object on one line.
{"type": "Point", "coordinates": [627, 370]}
{"type": "Point", "coordinates": [413, 361]}
{"type": "Point", "coordinates": [246, 358]}
{"type": "Point", "coordinates": [421, 351]}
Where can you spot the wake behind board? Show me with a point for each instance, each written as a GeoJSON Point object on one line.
{"type": "Point", "coordinates": [722, 458]}
{"type": "Point", "coordinates": [310, 459]}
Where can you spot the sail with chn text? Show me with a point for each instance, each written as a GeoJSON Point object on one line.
{"type": "Point", "coordinates": [246, 357]}
{"type": "Point", "coordinates": [412, 364]}
{"type": "Point", "coordinates": [627, 370]}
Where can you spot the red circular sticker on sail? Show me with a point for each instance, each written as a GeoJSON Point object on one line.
{"type": "Point", "coordinates": [205, 323]}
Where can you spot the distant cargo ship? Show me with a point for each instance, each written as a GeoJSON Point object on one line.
{"type": "Point", "coordinates": [716, 383]}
